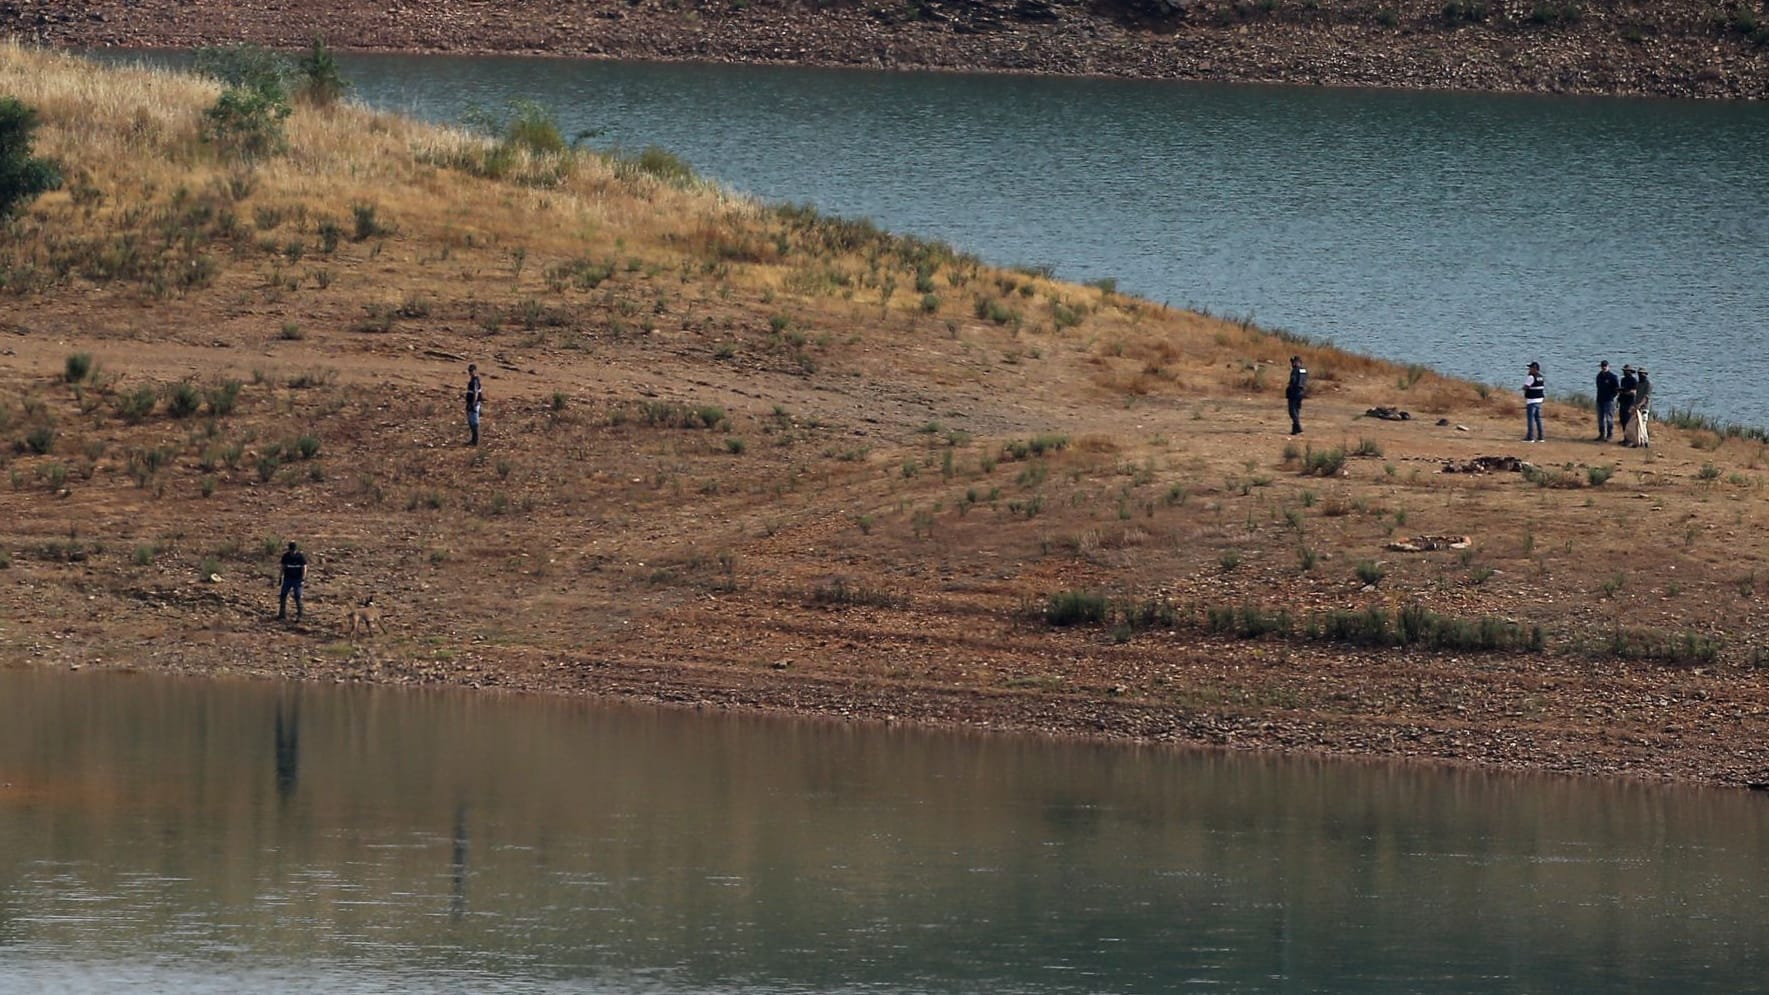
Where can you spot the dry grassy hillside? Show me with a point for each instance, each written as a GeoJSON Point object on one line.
{"type": "Point", "coordinates": [753, 457]}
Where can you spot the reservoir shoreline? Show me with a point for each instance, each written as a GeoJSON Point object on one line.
{"type": "Point", "coordinates": [1657, 48]}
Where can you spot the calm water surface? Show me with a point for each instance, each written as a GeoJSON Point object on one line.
{"type": "Point", "coordinates": [163, 835]}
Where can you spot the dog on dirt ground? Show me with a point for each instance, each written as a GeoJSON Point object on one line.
{"type": "Point", "coordinates": [365, 618]}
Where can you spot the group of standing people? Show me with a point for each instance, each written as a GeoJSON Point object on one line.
{"type": "Point", "coordinates": [1629, 397]}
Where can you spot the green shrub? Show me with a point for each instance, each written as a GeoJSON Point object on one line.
{"type": "Point", "coordinates": [78, 368]}
{"type": "Point", "coordinates": [1471, 11]}
{"type": "Point", "coordinates": [1323, 462]}
{"type": "Point", "coordinates": [1687, 648]}
{"type": "Point", "coordinates": [318, 80]}
{"type": "Point", "coordinates": [1556, 14]}
{"type": "Point", "coordinates": [330, 233]}
{"type": "Point", "coordinates": [183, 399]}
{"type": "Point", "coordinates": [996, 311]}
{"type": "Point", "coordinates": [135, 406]}
{"type": "Point", "coordinates": [307, 446]}
{"type": "Point", "coordinates": [1246, 621]}
{"type": "Point", "coordinates": [247, 67]}
{"type": "Point", "coordinates": [1370, 572]}
{"type": "Point", "coordinates": [1067, 608]}
{"type": "Point", "coordinates": [40, 440]}
{"type": "Point", "coordinates": [666, 166]}
{"type": "Point", "coordinates": [368, 223]}
{"type": "Point", "coordinates": [1599, 475]}
{"type": "Point", "coordinates": [247, 123]}
{"type": "Point", "coordinates": [22, 176]}
{"type": "Point", "coordinates": [531, 126]}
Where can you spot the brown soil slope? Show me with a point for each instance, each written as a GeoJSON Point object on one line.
{"type": "Point", "coordinates": [750, 458]}
{"type": "Point", "coordinates": [1664, 47]}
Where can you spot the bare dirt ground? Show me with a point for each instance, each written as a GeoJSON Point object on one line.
{"type": "Point", "coordinates": [1657, 47]}
{"type": "Point", "coordinates": [730, 470]}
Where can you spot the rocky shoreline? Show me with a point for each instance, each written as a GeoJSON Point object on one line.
{"type": "Point", "coordinates": [1657, 48]}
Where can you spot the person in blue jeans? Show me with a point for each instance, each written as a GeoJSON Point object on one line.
{"type": "Point", "coordinates": [1535, 390]}
{"type": "Point", "coordinates": [475, 398]}
{"type": "Point", "coordinates": [292, 575]}
{"type": "Point", "coordinates": [1608, 386]}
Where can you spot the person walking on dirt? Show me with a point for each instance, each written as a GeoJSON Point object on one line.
{"type": "Point", "coordinates": [292, 575]}
{"type": "Point", "coordinates": [1535, 390]}
{"type": "Point", "coordinates": [1294, 393]}
{"type": "Point", "coordinates": [475, 397]}
{"type": "Point", "coordinates": [1608, 385]}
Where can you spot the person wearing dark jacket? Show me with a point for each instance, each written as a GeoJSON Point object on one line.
{"type": "Point", "coordinates": [292, 574]}
{"type": "Point", "coordinates": [1294, 393]}
{"type": "Point", "coordinates": [1535, 391]}
{"type": "Point", "coordinates": [1607, 387]}
{"type": "Point", "coordinates": [1624, 397]}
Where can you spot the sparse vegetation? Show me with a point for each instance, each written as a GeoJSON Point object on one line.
{"type": "Point", "coordinates": [677, 364]}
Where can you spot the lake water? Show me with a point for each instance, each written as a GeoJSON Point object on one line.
{"type": "Point", "coordinates": [1469, 232]}
{"type": "Point", "coordinates": [171, 835]}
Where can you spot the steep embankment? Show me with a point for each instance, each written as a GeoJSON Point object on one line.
{"type": "Point", "coordinates": [1663, 47]}
{"type": "Point", "coordinates": [754, 458]}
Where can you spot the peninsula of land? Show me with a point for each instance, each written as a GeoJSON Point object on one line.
{"type": "Point", "coordinates": [1714, 49]}
{"type": "Point", "coordinates": [745, 457]}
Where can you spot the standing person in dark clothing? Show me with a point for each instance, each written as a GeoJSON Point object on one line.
{"type": "Point", "coordinates": [1535, 390]}
{"type": "Point", "coordinates": [475, 397]}
{"type": "Point", "coordinates": [1607, 387]}
{"type": "Point", "coordinates": [1624, 397]}
{"type": "Point", "coordinates": [1294, 393]}
{"type": "Point", "coordinates": [293, 574]}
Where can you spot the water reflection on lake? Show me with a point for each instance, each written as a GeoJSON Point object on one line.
{"type": "Point", "coordinates": [163, 834]}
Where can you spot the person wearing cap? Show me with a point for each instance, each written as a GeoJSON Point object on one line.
{"type": "Point", "coordinates": [475, 397]}
{"type": "Point", "coordinates": [1294, 392]}
{"type": "Point", "coordinates": [1635, 433]}
{"type": "Point", "coordinates": [1535, 390]}
{"type": "Point", "coordinates": [1607, 387]}
{"type": "Point", "coordinates": [1624, 398]}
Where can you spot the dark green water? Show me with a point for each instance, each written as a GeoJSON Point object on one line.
{"type": "Point", "coordinates": [162, 835]}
